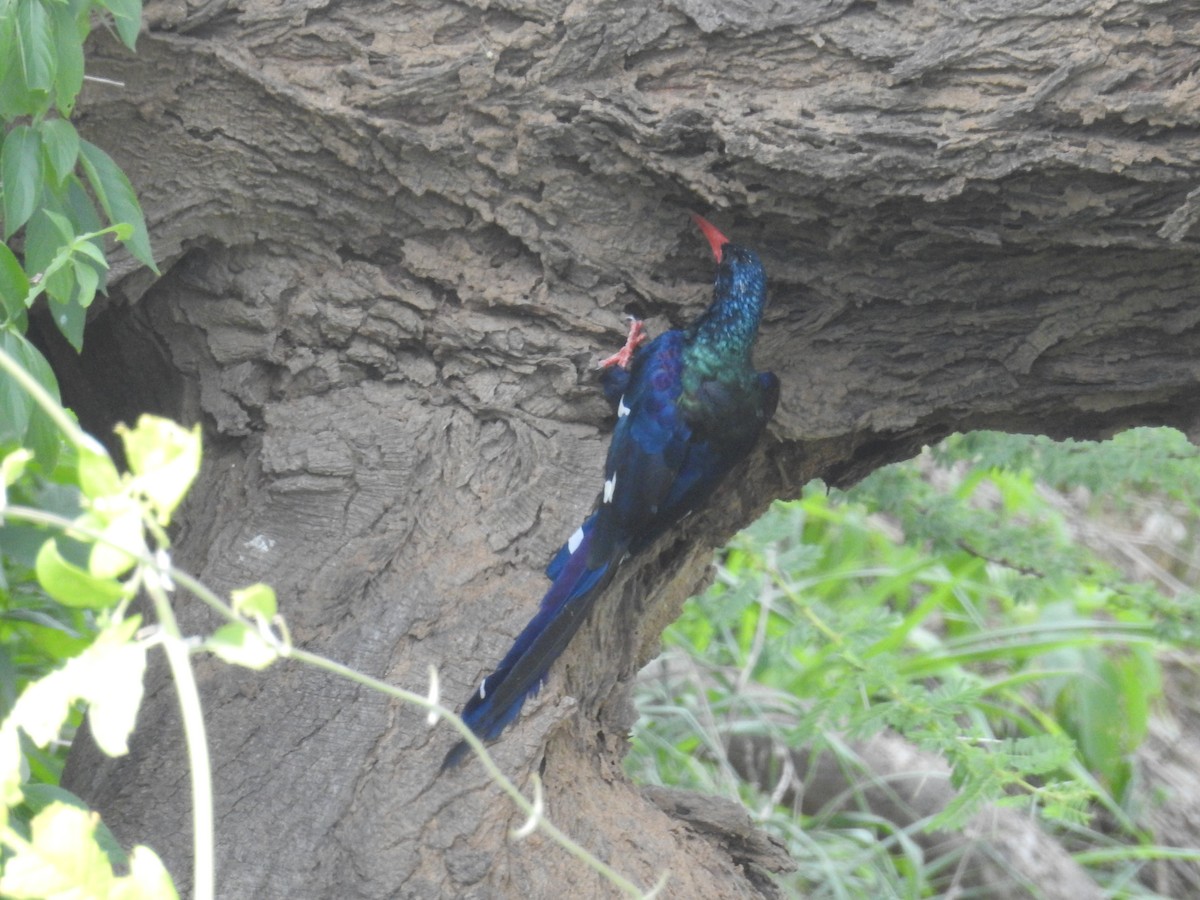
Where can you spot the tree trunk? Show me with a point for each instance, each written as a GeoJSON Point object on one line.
{"type": "Point", "coordinates": [395, 237]}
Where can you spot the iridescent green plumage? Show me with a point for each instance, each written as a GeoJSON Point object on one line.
{"type": "Point", "coordinates": [720, 385]}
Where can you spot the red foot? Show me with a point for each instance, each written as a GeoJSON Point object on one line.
{"type": "Point", "coordinates": [637, 336]}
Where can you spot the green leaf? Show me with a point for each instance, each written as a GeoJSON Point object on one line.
{"type": "Point", "coordinates": [21, 419]}
{"type": "Point", "coordinates": [35, 45]}
{"type": "Point", "coordinates": [51, 229]}
{"type": "Point", "coordinates": [22, 542]}
{"type": "Point", "coordinates": [59, 283]}
{"type": "Point", "coordinates": [20, 173]}
{"type": "Point", "coordinates": [16, 98]}
{"type": "Point", "coordinates": [86, 281]}
{"type": "Point", "coordinates": [13, 286]}
{"type": "Point", "coordinates": [60, 142]}
{"type": "Point", "coordinates": [39, 618]}
{"type": "Point", "coordinates": [241, 645]}
{"type": "Point", "coordinates": [62, 859]}
{"type": "Point", "coordinates": [54, 640]}
{"type": "Point", "coordinates": [58, 277]}
{"type": "Point", "coordinates": [16, 406]}
{"type": "Point", "coordinates": [255, 600]}
{"type": "Point", "coordinates": [79, 208]}
{"type": "Point", "coordinates": [1141, 683]}
{"type": "Point", "coordinates": [70, 319]}
{"type": "Point", "coordinates": [83, 213]}
{"type": "Point", "coordinates": [44, 439]}
{"type": "Point", "coordinates": [71, 585]}
{"type": "Point", "coordinates": [69, 32]}
{"type": "Point", "coordinates": [127, 15]}
{"type": "Point", "coordinates": [42, 242]}
{"type": "Point", "coordinates": [36, 365]}
{"type": "Point", "coordinates": [8, 31]}
{"type": "Point", "coordinates": [164, 458]}
{"type": "Point", "coordinates": [117, 198]}
{"type": "Point", "coordinates": [92, 251]}
{"type": "Point", "coordinates": [63, 225]}
{"type": "Point", "coordinates": [12, 467]}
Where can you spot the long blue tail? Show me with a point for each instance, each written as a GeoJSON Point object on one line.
{"type": "Point", "coordinates": [579, 574]}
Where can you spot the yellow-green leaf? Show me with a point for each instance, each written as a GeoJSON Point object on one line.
{"type": "Point", "coordinates": [148, 878]}
{"type": "Point", "coordinates": [98, 477]}
{"type": "Point", "coordinates": [107, 675]}
{"type": "Point", "coordinates": [44, 705]}
{"type": "Point", "coordinates": [164, 458]}
{"type": "Point", "coordinates": [243, 646]}
{"type": "Point", "coordinates": [71, 585]}
{"type": "Point", "coordinates": [258, 599]}
{"type": "Point", "coordinates": [62, 858]}
{"type": "Point", "coordinates": [115, 695]}
{"type": "Point", "coordinates": [11, 468]}
{"type": "Point", "coordinates": [124, 540]}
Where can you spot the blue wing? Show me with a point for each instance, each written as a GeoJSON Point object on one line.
{"type": "Point", "coordinates": [667, 455]}
{"type": "Point", "coordinates": [651, 439]}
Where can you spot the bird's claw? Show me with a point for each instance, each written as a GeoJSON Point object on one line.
{"type": "Point", "coordinates": [637, 337]}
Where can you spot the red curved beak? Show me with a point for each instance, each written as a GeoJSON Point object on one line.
{"type": "Point", "coordinates": [716, 240]}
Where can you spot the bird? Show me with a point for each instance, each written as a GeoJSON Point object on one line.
{"type": "Point", "coordinates": [689, 407]}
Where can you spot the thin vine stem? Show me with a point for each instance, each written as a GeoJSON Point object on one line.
{"type": "Point", "coordinates": [200, 767]}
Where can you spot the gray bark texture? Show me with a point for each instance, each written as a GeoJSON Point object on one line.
{"type": "Point", "coordinates": [396, 236]}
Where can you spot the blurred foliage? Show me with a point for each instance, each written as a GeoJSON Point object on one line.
{"type": "Point", "coordinates": [1000, 601]}
{"type": "Point", "coordinates": [65, 639]}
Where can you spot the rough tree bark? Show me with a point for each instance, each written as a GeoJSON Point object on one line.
{"type": "Point", "coordinates": [396, 236]}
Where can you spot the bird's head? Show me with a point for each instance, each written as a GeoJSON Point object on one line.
{"type": "Point", "coordinates": [738, 268]}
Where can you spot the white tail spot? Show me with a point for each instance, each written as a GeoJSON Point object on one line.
{"type": "Point", "coordinates": [609, 487]}
{"type": "Point", "coordinates": [622, 409]}
{"type": "Point", "coordinates": [575, 540]}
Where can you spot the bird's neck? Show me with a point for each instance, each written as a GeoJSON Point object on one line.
{"type": "Point", "coordinates": [724, 335]}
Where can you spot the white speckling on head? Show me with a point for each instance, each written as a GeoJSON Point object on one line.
{"type": "Point", "coordinates": [609, 487]}
{"type": "Point", "coordinates": [575, 540]}
{"type": "Point", "coordinates": [622, 409]}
